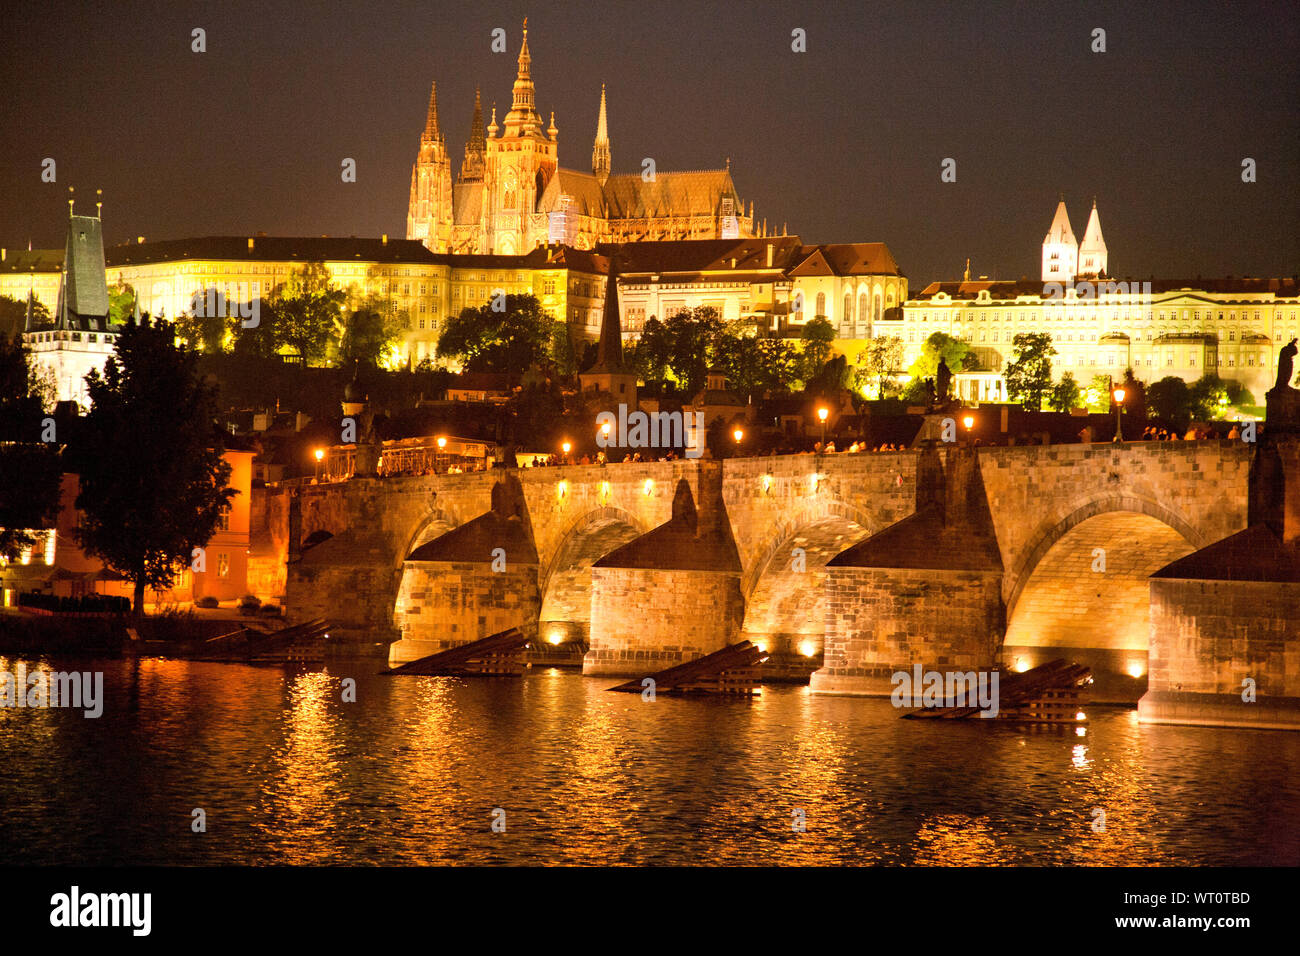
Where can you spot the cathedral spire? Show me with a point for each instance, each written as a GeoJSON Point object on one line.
{"type": "Point", "coordinates": [471, 171]}
{"type": "Point", "coordinates": [523, 111]}
{"type": "Point", "coordinates": [432, 134]}
{"type": "Point", "coordinates": [600, 158]}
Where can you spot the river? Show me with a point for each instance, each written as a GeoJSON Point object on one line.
{"type": "Point", "coordinates": [417, 769]}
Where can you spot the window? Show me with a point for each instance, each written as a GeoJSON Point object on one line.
{"type": "Point", "coordinates": [223, 521]}
{"type": "Point", "coordinates": [223, 564]}
{"type": "Point", "coordinates": [821, 303]}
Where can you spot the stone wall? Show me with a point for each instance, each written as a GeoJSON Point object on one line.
{"type": "Point", "coordinates": [442, 604]}
{"type": "Point", "coordinates": [1208, 637]}
{"type": "Point", "coordinates": [883, 620]}
{"type": "Point", "coordinates": [646, 620]}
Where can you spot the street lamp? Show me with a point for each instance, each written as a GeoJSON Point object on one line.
{"type": "Point", "coordinates": [969, 422]}
{"type": "Point", "coordinates": [1119, 408]}
{"type": "Point", "coordinates": [566, 448]}
{"type": "Point", "coordinates": [739, 435]}
{"type": "Point", "coordinates": [822, 412]}
{"type": "Point", "coordinates": [320, 456]}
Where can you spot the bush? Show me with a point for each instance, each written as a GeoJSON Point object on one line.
{"type": "Point", "coordinates": [207, 601]}
{"type": "Point", "coordinates": [270, 610]}
{"type": "Point", "coordinates": [250, 600]}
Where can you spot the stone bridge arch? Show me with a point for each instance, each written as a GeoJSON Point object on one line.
{"type": "Point", "coordinates": [784, 600]}
{"type": "Point", "coordinates": [565, 579]}
{"type": "Point", "coordinates": [1051, 530]}
{"type": "Point", "coordinates": [1080, 589]}
{"type": "Point", "coordinates": [435, 523]}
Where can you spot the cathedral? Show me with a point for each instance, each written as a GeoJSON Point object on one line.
{"type": "Point", "coordinates": [512, 195]}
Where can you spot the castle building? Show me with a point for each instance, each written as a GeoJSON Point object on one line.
{"type": "Point", "coordinates": [512, 195]}
{"type": "Point", "coordinates": [1231, 327]}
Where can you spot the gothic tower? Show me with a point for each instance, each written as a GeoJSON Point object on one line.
{"type": "Point", "coordinates": [1092, 251]}
{"type": "Point", "coordinates": [1060, 251]}
{"type": "Point", "coordinates": [600, 152]}
{"type": "Point", "coordinates": [471, 171]}
{"type": "Point", "coordinates": [519, 164]}
{"type": "Point", "coordinates": [429, 216]}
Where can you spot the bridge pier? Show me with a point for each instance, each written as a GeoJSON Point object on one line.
{"type": "Point", "coordinates": [926, 590]}
{"type": "Point", "coordinates": [1225, 620]}
{"type": "Point", "coordinates": [671, 595]}
{"type": "Point", "coordinates": [476, 580]}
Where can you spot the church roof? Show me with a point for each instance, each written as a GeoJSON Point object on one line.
{"type": "Point", "coordinates": [585, 188]}
{"type": "Point", "coordinates": [846, 259]}
{"type": "Point", "coordinates": [696, 193]}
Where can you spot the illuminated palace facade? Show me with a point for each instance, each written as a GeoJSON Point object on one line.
{"type": "Point", "coordinates": [512, 195]}
{"type": "Point", "coordinates": [1230, 327]}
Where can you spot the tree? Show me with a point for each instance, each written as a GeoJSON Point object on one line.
{"type": "Point", "coordinates": [1207, 398]}
{"type": "Point", "coordinates": [877, 362]}
{"type": "Point", "coordinates": [204, 327]}
{"type": "Point", "coordinates": [940, 345]}
{"type": "Point", "coordinates": [756, 364]}
{"type": "Point", "coordinates": [1029, 370]}
{"type": "Point", "coordinates": [653, 351]}
{"type": "Point", "coordinates": [694, 337]}
{"type": "Point", "coordinates": [121, 303]}
{"type": "Point", "coordinates": [1170, 401]}
{"type": "Point", "coordinates": [306, 312]}
{"type": "Point", "coordinates": [153, 482]}
{"type": "Point", "coordinates": [832, 378]}
{"type": "Point", "coordinates": [1065, 394]}
{"type": "Point", "coordinates": [29, 469]}
{"type": "Point", "coordinates": [367, 337]}
{"type": "Point", "coordinates": [508, 340]}
{"type": "Point", "coordinates": [563, 355]}
{"type": "Point", "coordinates": [817, 336]}
{"type": "Point", "coordinates": [255, 341]}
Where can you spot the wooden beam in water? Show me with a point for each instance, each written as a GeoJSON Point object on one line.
{"type": "Point", "coordinates": [731, 670]}
{"type": "Point", "coordinates": [500, 653]}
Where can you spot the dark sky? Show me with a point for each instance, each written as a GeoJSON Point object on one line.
{"type": "Point", "coordinates": [844, 141]}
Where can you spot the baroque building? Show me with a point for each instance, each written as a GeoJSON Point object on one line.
{"type": "Point", "coordinates": [512, 195]}
{"type": "Point", "coordinates": [1230, 327]}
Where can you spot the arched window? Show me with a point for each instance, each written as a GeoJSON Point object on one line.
{"type": "Point", "coordinates": [847, 318]}
{"type": "Point", "coordinates": [863, 314]}
{"type": "Point", "coordinates": [876, 311]}
{"type": "Point", "coordinates": [821, 303]}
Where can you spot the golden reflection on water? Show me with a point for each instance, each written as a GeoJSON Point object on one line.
{"type": "Point", "coordinates": [301, 789]}
{"type": "Point", "coordinates": [957, 840]}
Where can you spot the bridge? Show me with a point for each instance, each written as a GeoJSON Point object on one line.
{"type": "Point", "coordinates": [842, 564]}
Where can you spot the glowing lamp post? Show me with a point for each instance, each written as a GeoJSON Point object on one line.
{"type": "Point", "coordinates": [320, 456]}
{"type": "Point", "coordinates": [1119, 409]}
{"type": "Point", "coordinates": [739, 435]}
{"type": "Point", "coordinates": [823, 412]}
{"type": "Point", "coordinates": [566, 448]}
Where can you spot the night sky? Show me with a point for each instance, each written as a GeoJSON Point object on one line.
{"type": "Point", "coordinates": [844, 141]}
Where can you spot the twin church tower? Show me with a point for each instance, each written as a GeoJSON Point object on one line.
{"type": "Point", "coordinates": [512, 195]}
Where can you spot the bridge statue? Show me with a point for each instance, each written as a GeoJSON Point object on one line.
{"type": "Point", "coordinates": [1283, 401]}
{"type": "Point", "coordinates": [942, 383]}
